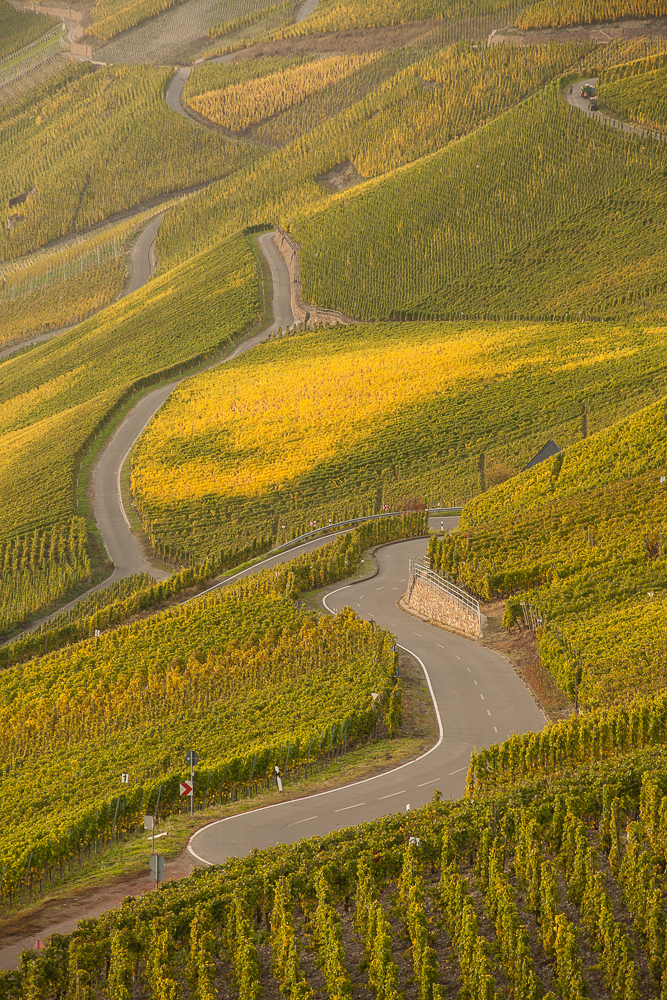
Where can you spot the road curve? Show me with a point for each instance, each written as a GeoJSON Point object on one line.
{"type": "Point", "coordinates": [141, 269]}
{"type": "Point", "coordinates": [174, 95]}
{"type": "Point", "coordinates": [572, 94]}
{"type": "Point", "coordinates": [122, 546]}
{"type": "Point", "coordinates": [478, 696]}
{"type": "Point", "coordinates": [143, 261]}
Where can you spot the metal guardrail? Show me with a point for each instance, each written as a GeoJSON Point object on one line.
{"type": "Point", "coordinates": [443, 511]}
{"type": "Point", "coordinates": [421, 569]}
{"type": "Point", "coordinates": [333, 527]}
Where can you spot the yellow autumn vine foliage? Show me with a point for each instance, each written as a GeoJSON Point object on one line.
{"type": "Point", "coordinates": [335, 423]}
{"type": "Point", "coordinates": [253, 101]}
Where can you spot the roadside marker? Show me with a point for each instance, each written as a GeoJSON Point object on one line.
{"type": "Point", "coordinates": [186, 787]}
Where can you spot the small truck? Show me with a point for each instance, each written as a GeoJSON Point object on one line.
{"type": "Point", "coordinates": [588, 90]}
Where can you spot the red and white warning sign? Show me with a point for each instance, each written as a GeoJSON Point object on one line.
{"type": "Point", "coordinates": [186, 787]}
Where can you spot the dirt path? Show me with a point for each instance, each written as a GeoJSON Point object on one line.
{"type": "Point", "coordinates": [572, 95]}
{"type": "Point", "coordinates": [60, 916]}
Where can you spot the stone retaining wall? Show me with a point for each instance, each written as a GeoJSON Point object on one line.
{"type": "Point", "coordinates": [303, 313]}
{"type": "Point", "coordinates": [434, 605]}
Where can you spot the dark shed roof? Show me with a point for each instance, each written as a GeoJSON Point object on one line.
{"type": "Point", "coordinates": [549, 449]}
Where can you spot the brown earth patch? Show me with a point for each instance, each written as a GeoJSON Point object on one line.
{"type": "Point", "coordinates": [342, 177]}
{"type": "Point", "coordinates": [520, 648]}
{"type": "Point", "coordinates": [600, 33]}
{"type": "Point", "coordinates": [343, 42]}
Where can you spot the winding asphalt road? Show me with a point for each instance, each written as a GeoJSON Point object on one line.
{"type": "Point", "coordinates": [142, 267]}
{"type": "Point", "coordinates": [478, 697]}
{"type": "Point", "coordinates": [121, 544]}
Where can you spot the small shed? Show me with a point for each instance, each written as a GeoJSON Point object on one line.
{"type": "Point", "coordinates": [548, 451]}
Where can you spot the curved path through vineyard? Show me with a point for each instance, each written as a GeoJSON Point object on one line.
{"type": "Point", "coordinates": [478, 698]}
{"type": "Point", "coordinates": [123, 547]}
{"type": "Point", "coordinates": [140, 269]}
{"type": "Point", "coordinates": [572, 94]}
{"type": "Point", "coordinates": [121, 544]}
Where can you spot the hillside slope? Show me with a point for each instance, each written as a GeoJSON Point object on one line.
{"type": "Point", "coordinates": [584, 531]}
{"type": "Point", "coordinates": [54, 399]}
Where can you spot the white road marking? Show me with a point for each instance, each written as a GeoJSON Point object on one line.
{"type": "Point", "coordinates": [345, 808]}
{"type": "Point", "coordinates": [402, 792]}
{"type": "Point", "coordinates": [306, 820]}
{"type": "Point", "coordinates": [457, 656]}
{"type": "Point", "coordinates": [380, 588]}
{"type": "Point", "coordinates": [482, 697]}
{"type": "Point", "coordinates": [469, 670]}
{"type": "Point", "coordinates": [487, 712]}
{"type": "Point", "coordinates": [475, 683]}
{"type": "Point", "coordinates": [402, 581]}
{"type": "Point", "coordinates": [458, 772]}
{"type": "Point", "coordinates": [438, 644]}
{"type": "Point", "coordinates": [426, 783]}
{"type": "Point", "coordinates": [495, 729]}
{"type": "Point", "coordinates": [417, 633]}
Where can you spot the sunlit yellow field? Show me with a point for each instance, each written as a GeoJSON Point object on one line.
{"type": "Point", "coordinates": [378, 413]}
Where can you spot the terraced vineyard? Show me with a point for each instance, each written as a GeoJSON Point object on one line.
{"type": "Point", "coordinates": [563, 13]}
{"type": "Point", "coordinates": [637, 91]}
{"type": "Point", "coordinates": [338, 15]}
{"type": "Point", "coordinates": [19, 29]}
{"type": "Point", "coordinates": [580, 539]}
{"type": "Point", "coordinates": [505, 257]}
{"type": "Point", "coordinates": [61, 286]}
{"type": "Point", "coordinates": [324, 425]}
{"type": "Point", "coordinates": [181, 32]}
{"type": "Point", "coordinates": [238, 107]}
{"type": "Point", "coordinates": [112, 144]}
{"type": "Point", "coordinates": [38, 569]}
{"type": "Point", "coordinates": [56, 399]}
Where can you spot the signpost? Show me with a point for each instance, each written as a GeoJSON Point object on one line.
{"type": "Point", "coordinates": [157, 866]}
{"type": "Point", "coordinates": [149, 824]}
{"type": "Point", "coordinates": [191, 758]}
{"type": "Point", "coordinates": [186, 788]}
{"type": "Point", "coordinates": [124, 778]}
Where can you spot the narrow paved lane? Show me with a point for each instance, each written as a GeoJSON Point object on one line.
{"type": "Point", "coordinates": [143, 261]}
{"type": "Point", "coordinates": [479, 699]}
{"type": "Point", "coordinates": [122, 546]}
{"type": "Point", "coordinates": [572, 94]}
{"type": "Point", "coordinates": [140, 270]}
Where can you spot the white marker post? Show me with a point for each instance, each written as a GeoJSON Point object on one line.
{"type": "Point", "coordinates": [279, 780]}
{"type": "Point", "coordinates": [149, 824]}
{"type": "Point", "coordinates": [192, 758]}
